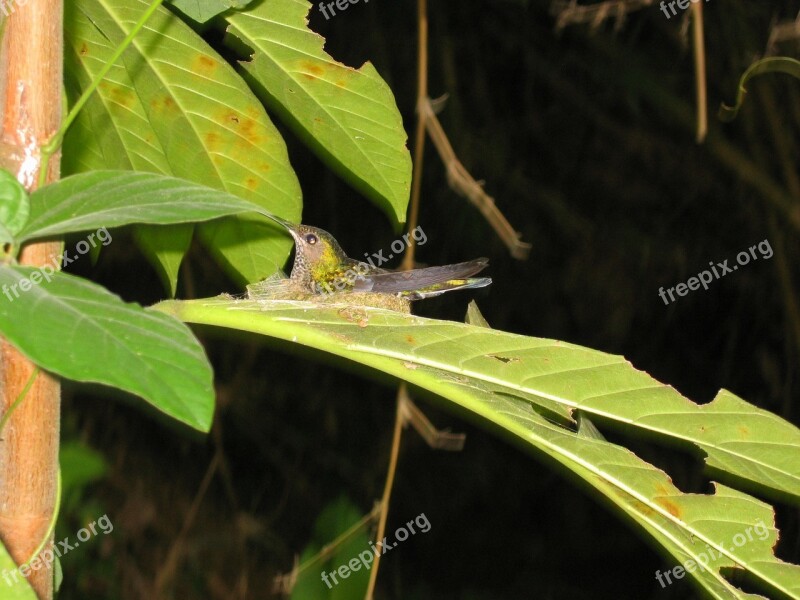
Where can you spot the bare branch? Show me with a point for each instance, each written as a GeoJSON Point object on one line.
{"type": "Point", "coordinates": [571, 13]}
{"type": "Point", "coordinates": [464, 184]}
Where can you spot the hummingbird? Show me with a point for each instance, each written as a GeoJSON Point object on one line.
{"type": "Point", "coordinates": [322, 267]}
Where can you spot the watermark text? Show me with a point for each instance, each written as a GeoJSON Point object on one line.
{"type": "Point", "coordinates": [717, 271]}
{"type": "Point", "coordinates": [46, 272]}
{"type": "Point", "coordinates": [48, 555]}
{"type": "Point", "coordinates": [366, 557]}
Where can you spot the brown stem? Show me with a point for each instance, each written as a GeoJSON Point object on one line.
{"type": "Point", "coordinates": [569, 13]}
{"type": "Point", "coordinates": [701, 93]}
{"type": "Point", "coordinates": [408, 263]}
{"type": "Point", "coordinates": [464, 184]}
{"type": "Point", "coordinates": [419, 135]}
{"type": "Point", "coordinates": [30, 90]}
{"type": "Point", "coordinates": [399, 421]}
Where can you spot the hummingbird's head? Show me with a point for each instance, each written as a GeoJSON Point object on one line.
{"type": "Point", "coordinates": [317, 254]}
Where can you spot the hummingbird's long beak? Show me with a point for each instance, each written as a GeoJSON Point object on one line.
{"type": "Point", "coordinates": [279, 221]}
{"type": "Point", "coordinates": [290, 227]}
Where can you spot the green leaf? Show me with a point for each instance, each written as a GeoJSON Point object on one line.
{"type": "Point", "coordinates": [203, 10]}
{"type": "Point", "coordinates": [174, 106]}
{"type": "Point", "coordinates": [80, 331]}
{"type": "Point", "coordinates": [80, 466]}
{"type": "Point", "coordinates": [527, 389]}
{"type": "Point", "coordinates": [165, 246]}
{"type": "Point", "coordinates": [13, 586]}
{"type": "Point", "coordinates": [555, 377]}
{"type": "Point", "coordinates": [14, 207]}
{"type": "Point", "coordinates": [337, 523]}
{"type": "Point", "coordinates": [779, 64]}
{"type": "Point", "coordinates": [347, 116]}
{"type": "Point", "coordinates": [58, 574]}
{"type": "Point", "coordinates": [115, 198]}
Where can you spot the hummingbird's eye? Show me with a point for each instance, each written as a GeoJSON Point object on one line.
{"type": "Point", "coordinates": [311, 239]}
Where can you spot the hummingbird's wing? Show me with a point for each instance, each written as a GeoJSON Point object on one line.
{"type": "Point", "coordinates": [392, 282]}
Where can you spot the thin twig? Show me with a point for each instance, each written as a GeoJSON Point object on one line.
{"type": "Point", "coordinates": [284, 584]}
{"type": "Point", "coordinates": [569, 13]}
{"type": "Point", "coordinates": [170, 564]}
{"type": "Point", "coordinates": [700, 72]}
{"type": "Point", "coordinates": [54, 143]}
{"type": "Point", "coordinates": [419, 135]}
{"type": "Point", "coordinates": [464, 184]}
{"type": "Point", "coordinates": [387, 488]}
{"type": "Point", "coordinates": [436, 439]}
{"type": "Point", "coordinates": [408, 263]}
{"type": "Point", "coordinates": [782, 32]}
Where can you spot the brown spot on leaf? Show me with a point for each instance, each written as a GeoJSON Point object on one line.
{"type": "Point", "coordinates": [661, 490]}
{"type": "Point", "coordinates": [311, 70]}
{"type": "Point", "coordinates": [247, 126]}
{"type": "Point", "coordinates": [162, 104]}
{"type": "Point", "coordinates": [252, 131]}
{"type": "Point", "coordinates": [355, 315]}
{"type": "Point", "coordinates": [251, 183]}
{"type": "Point", "coordinates": [118, 94]}
{"type": "Point", "coordinates": [212, 141]}
{"type": "Point", "coordinates": [84, 49]}
{"type": "Point", "coordinates": [744, 431]}
{"type": "Point", "coordinates": [670, 507]}
{"type": "Point", "coordinates": [204, 65]}
{"type": "Point", "coordinates": [410, 339]}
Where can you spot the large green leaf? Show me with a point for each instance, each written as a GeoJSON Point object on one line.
{"type": "Point", "coordinates": [115, 198]}
{"type": "Point", "coordinates": [79, 330]}
{"type": "Point", "coordinates": [528, 388]}
{"type": "Point", "coordinates": [347, 116]}
{"type": "Point", "coordinates": [174, 106]}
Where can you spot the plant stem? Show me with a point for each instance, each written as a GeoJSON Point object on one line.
{"type": "Point", "coordinates": [399, 419]}
{"type": "Point", "coordinates": [408, 263]}
{"type": "Point", "coordinates": [700, 72]}
{"type": "Point", "coordinates": [31, 94]}
{"type": "Point", "coordinates": [419, 136]}
{"type": "Point", "coordinates": [58, 138]}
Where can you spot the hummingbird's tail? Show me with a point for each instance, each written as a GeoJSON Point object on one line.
{"type": "Point", "coordinates": [452, 284]}
{"type": "Point", "coordinates": [418, 284]}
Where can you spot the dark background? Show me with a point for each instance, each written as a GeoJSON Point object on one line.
{"type": "Point", "coordinates": [585, 138]}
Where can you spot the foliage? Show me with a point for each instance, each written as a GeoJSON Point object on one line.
{"type": "Point", "coordinates": [155, 150]}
